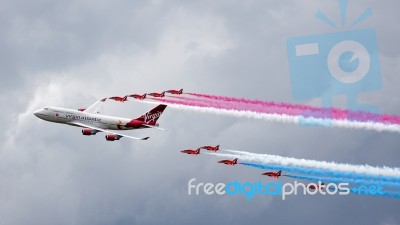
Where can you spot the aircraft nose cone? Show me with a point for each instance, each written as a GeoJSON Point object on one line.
{"type": "Point", "coordinates": [36, 113]}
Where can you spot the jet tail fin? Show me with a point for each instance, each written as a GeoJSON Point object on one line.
{"type": "Point", "coordinates": [153, 115]}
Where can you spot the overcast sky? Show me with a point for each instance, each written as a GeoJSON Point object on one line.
{"type": "Point", "coordinates": [71, 53]}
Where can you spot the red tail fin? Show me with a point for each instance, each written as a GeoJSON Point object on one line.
{"type": "Point", "coordinates": [152, 116]}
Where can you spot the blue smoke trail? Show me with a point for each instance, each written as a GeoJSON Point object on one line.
{"type": "Point", "coordinates": [343, 180]}
{"type": "Point", "coordinates": [339, 180]}
{"type": "Point", "coordinates": [385, 194]}
{"type": "Point", "coordinates": [323, 173]}
{"type": "Point", "coordinates": [363, 170]}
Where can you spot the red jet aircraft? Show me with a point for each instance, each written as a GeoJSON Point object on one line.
{"type": "Point", "coordinates": [136, 96]}
{"type": "Point", "coordinates": [191, 151]}
{"type": "Point", "coordinates": [119, 99]}
{"type": "Point", "coordinates": [273, 174]}
{"type": "Point", "coordinates": [103, 100]}
{"type": "Point", "coordinates": [175, 92]}
{"type": "Point", "coordinates": [211, 148]}
{"type": "Point", "coordinates": [229, 162]}
{"type": "Point", "coordinates": [157, 95]}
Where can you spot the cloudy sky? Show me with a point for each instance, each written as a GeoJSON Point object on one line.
{"type": "Point", "coordinates": [71, 53]}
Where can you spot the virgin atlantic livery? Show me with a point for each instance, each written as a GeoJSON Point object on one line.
{"type": "Point", "coordinates": [229, 162]}
{"type": "Point", "coordinates": [273, 174]}
{"type": "Point", "coordinates": [175, 92]}
{"type": "Point", "coordinates": [211, 148]}
{"type": "Point", "coordinates": [191, 151]}
{"type": "Point", "coordinates": [157, 95]}
{"type": "Point", "coordinates": [93, 122]}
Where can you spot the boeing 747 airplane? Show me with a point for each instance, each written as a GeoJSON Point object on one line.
{"type": "Point", "coordinates": [92, 122]}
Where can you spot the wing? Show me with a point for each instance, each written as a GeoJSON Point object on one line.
{"type": "Point", "coordinates": [146, 125]}
{"type": "Point", "coordinates": [106, 131]}
{"type": "Point", "coordinates": [95, 108]}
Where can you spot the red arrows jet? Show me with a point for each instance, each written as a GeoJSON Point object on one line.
{"type": "Point", "coordinates": [136, 96]}
{"type": "Point", "coordinates": [229, 162]}
{"type": "Point", "coordinates": [157, 95]}
{"type": "Point", "coordinates": [191, 151]}
{"type": "Point", "coordinates": [95, 106]}
{"type": "Point", "coordinates": [175, 92]}
{"type": "Point", "coordinates": [313, 187]}
{"type": "Point", "coordinates": [119, 99]}
{"type": "Point", "coordinates": [211, 148]}
{"type": "Point", "coordinates": [273, 174]}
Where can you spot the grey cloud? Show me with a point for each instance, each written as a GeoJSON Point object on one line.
{"type": "Point", "coordinates": [70, 53]}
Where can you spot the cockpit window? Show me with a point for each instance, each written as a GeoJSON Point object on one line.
{"type": "Point", "coordinates": [45, 108]}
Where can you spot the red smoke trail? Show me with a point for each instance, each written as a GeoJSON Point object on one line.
{"type": "Point", "coordinates": [191, 103]}
{"type": "Point", "coordinates": [302, 110]}
{"type": "Point", "coordinates": [248, 101]}
{"type": "Point", "coordinates": [269, 107]}
{"type": "Point", "coordinates": [222, 108]}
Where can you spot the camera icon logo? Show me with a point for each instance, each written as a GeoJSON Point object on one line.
{"type": "Point", "coordinates": [349, 61]}
{"type": "Point", "coordinates": [339, 63]}
{"type": "Point", "coordinates": [342, 63]}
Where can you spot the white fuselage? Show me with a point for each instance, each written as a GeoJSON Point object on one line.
{"type": "Point", "coordinates": [68, 116]}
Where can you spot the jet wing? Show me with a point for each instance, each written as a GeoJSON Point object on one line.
{"type": "Point", "coordinates": [95, 108]}
{"type": "Point", "coordinates": [106, 131]}
{"type": "Point", "coordinates": [146, 125]}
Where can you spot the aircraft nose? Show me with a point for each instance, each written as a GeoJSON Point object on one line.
{"type": "Point", "coordinates": [36, 113]}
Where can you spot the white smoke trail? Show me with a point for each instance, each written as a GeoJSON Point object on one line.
{"type": "Point", "coordinates": [305, 163]}
{"type": "Point", "coordinates": [367, 125]}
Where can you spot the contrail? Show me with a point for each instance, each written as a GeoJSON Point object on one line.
{"type": "Point", "coordinates": [305, 163]}
{"type": "Point", "coordinates": [359, 178]}
{"type": "Point", "coordinates": [352, 190]}
{"type": "Point", "coordinates": [332, 176]}
{"type": "Point", "coordinates": [219, 108]}
{"type": "Point", "coordinates": [306, 111]}
{"type": "Point", "coordinates": [278, 108]}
